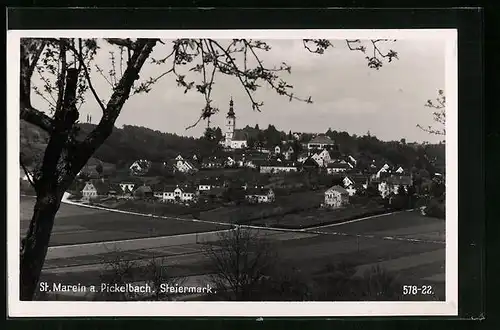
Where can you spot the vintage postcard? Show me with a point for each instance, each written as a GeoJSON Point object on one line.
{"type": "Point", "coordinates": [232, 173]}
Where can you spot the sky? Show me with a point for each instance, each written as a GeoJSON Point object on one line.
{"type": "Point", "coordinates": [347, 95]}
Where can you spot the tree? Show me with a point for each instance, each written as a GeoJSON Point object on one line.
{"type": "Point", "coordinates": [239, 260]}
{"type": "Point", "coordinates": [218, 134]}
{"type": "Point", "coordinates": [65, 67]}
{"type": "Point", "coordinates": [439, 115]}
{"type": "Point", "coordinates": [99, 169]}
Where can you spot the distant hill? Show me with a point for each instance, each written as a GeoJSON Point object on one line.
{"type": "Point", "coordinates": [130, 143]}
{"type": "Point", "coordinates": [125, 144]}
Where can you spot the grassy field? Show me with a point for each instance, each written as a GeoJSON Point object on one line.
{"type": "Point", "coordinates": [245, 213]}
{"type": "Point", "coordinates": [413, 262]}
{"type": "Point", "coordinates": [317, 217]}
{"type": "Point", "coordinates": [76, 225]}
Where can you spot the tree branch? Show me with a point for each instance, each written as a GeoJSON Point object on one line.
{"type": "Point", "coordinates": [36, 117]}
{"type": "Point", "coordinates": [87, 76]}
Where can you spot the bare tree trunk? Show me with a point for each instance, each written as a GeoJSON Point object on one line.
{"type": "Point", "coordinates": [35, 244]}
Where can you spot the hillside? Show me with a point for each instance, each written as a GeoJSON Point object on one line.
{"type": "Point", "coordinates": [125, 144]}
{"type": "Point", "coordinates": [130, 143]}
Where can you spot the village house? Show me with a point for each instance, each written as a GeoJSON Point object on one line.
{"type": "Point", "coordinates": [259, 195]}
{"type": "Point", "coordinates": [323, 157]}
{"type": "Point", "coordinates": [289, 153]}
{"type": "Point", "coordinates": [143, 192]}
{"type": "Point", "coordinates": [278, 167]}
{"type": "Point", "coordinates": [391, 185]}
{"type": "Point", "coordinates": [183, 165]}
{"type": "Point", "coordinates": [176, 193]}
{"type": "Point", "coordinates": [352, 160]}
{"type": "Point", "coordinates": [277, 150]}
{"type": "Point", "coordinates": [336, 197]}
{"type": "Point", "coordinates": [384, 170]}
{"type": "Point", "coordinates": [209, 183]}
{"type": "Point", "coordinates": [320, 142]}
{"type": "Point", "coordinates": [127, 186]}
{"type": "Point", "coordinates": [353, 183]}
{"type": "Point", "coordinates": [302, 157]}
{"type": "Point", "coordinates": [337, 167]}
{"type": "Point", "coordinates": [213, 162]}
{"type": "Point", "coordinates": [115, 190]}
{"type": "Point", "coordinates": [95, 189]}
{"type": "Point", "coordinates": [140, 167]}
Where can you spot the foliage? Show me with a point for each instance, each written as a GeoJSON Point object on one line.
{"type": "Point", "coordinates": [438, 107]}
{"type": "Point", "coordinates": [239, 259]}
{"type": "Point", "coordinates": [121, 271]}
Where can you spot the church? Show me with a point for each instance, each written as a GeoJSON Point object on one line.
{"type": "Point", "coordinates": [233, 138]}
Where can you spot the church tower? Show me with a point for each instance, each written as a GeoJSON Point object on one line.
{"type": "Point", "coordinates": [230, 124]}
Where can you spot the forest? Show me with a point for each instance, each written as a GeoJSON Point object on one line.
{"type": "Point", "coordinates": [127, 144]}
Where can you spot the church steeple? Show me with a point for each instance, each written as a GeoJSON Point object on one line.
{"type": "Point", "coordinates": [230, 114]}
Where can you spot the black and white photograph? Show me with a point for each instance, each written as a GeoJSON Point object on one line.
{"type": "Point", "coordinates": [298, 173]}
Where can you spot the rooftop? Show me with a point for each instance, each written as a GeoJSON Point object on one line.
{"type": "Point", "coordinates": [338, 189]}
{"type": "Point", "coordinates": [321, 139]}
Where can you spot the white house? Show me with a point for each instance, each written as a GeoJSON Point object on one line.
{"type": "Point", "coordinates": [337, 167]}
{"type": "Point", "coordinates": [127, 186]}
{"type": "Point", "coordinates": [289, 153]}
{"type": "Point", "coordinates": [278, 167]}
{"type": "Point", "coordinates": [354, 182]}
{"type": "Point", "coordinates": [383, 170]}
{"type": "Point", "coordinates": [208, 184]}
{"type": "Point", "coordinates": [176, 194]}
{"type": "Point", "coordinates": [140, 166]}
{"type": "Point", "coordinates": [184, 166]}
{"type": "Point", "coordinates": [323, 158]}
{"type": "Point", "coordinates": [259, 195]}
{"type": "Point", "coordinates": [320, 142]}
{"type": "Point", "coordinates": [400, 170]}
{"type": "Point", "coordinates": [94, 189]}
{"type": "Point", "coordinates": [391, 185]}
{"type": "Point", "coordinates": [230, 161]}
{"type": "Point", "coordinates": [336, 197]}
{"type": "Point", "coordinates": [277, 150]}
{"type": "Point", "coordinates": [239, 144]}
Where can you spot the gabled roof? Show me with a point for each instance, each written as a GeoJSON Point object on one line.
{"type": "Point", "coordinates": [310, 162]}
{"type": "Point", "coordinates": [339, 189]}
{"type": "Point", "coordinates": [321, 139]}
{"type": "Point", "coordinates": [101, 187]}
{"type": "Point", "coordinates": [143, 190]}
{"type": "Point", "coordinates": [338, 165]}
{"type": "Point", "coordinates": [399, 180]}
{"type": "Point", "coordinates": [358, 178]}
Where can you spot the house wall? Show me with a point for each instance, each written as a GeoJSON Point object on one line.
{"type": "Point", "coordinates": [335, 170]}
{"type": "Point", "coordinates": [260, 198]}
{"type": "Point", "coordinates": [171, 196]}
{"type": "Point", "coordinates": [204, 187]}
{"type": "Point", "coordinates": [277, 169]}
{"type": "Point", "coordinates": [238, 144]}
{"type": "Point", "coordinates": [334, 199]}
